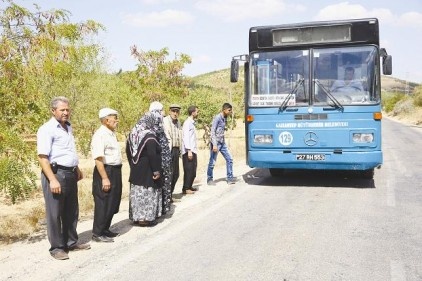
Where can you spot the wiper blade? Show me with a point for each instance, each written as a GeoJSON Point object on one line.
{"type": "Point", "coordinates": [283, 106]}
{"type": "Point", "coordinates": [337, 104]}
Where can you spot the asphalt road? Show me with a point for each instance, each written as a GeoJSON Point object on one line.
{"type": "Point", "coordinates": [303, 226]}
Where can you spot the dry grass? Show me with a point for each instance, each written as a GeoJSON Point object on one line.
{"type": "Point", "coordinates": [23, 219]}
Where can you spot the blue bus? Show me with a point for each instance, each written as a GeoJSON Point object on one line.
{"type": "Point", "coordinates": [313, 96]}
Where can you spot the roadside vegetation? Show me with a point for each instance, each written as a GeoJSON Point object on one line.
{"type": "Point", "coordinates": [402, 100]}
{"type": "Point", "coordinates": [43, 54]}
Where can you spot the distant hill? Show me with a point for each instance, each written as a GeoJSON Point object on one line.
{"type": "Point", "coordinates": [391, 84]}
{"type": "Point", "coordinates": [221, 79]}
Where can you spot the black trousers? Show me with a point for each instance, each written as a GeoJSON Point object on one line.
{"type": "Point", "coordinates": [189, 168]}
{"type": "Point", "coordinates": [62, 210]}
{"type": "Point", "coordinates": [175, 152]}
{"type": "Point", "coordinates": [106, 203]}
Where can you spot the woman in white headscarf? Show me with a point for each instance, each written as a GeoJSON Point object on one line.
{"type": "Point", "coordinates": [157, 108]}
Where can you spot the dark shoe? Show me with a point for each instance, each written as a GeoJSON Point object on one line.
{"type": "Point", "coordinates": [102, 238]}
{"type": "Point", "coordinates": [193, 189]}
{"type": "Point", "coordinates": [188, 191]}
{"type": "Point", "coordinates": [147, 223]}
{"type": "Point", "coordinates": [211, 182]}
{"type": "Point", "coordinates": [79, 247]}
{"type": "Point", "coordinates": [59, 255]}
{"type": "Point", "coordinates": [111, 234]}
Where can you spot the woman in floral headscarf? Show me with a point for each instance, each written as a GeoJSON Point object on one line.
{"type": "Point", "coordinates": [143, 151]}
{"type": "Point", "coordinates": [157, 109]}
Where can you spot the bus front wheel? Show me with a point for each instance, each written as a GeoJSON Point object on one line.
{"type": "Point", "coordinates": [368, 174]}
{"type": "Point", "coordinates": [276, 172]}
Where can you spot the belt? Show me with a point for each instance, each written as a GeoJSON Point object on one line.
{"type": "Point", "coordinates": [67, 168]}
{"type": "Point", "coordinates": [113, 166]}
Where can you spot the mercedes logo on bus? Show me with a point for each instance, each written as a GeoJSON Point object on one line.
{"type": "Point", "coordinates": [310, 139]}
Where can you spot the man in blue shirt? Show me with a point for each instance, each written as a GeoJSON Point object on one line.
{"type": "Point", "coordinates": [59, 179]}
{"type": "Point", "coordinates": [218, 144]}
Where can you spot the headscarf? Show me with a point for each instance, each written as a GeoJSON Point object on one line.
{"type": "Point", "coordinates": [156, 109]}
{"type": "Point", "coordinates": [149, 123]}
{"type": "Point", "coordinates": [155, 106]}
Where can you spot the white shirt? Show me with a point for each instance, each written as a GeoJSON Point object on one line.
{"type": "Point", "coordinates": [344, 86]}
{"type": "Point", "coordinates": [104, 144]}
{"type": "Point", "coordinates": [189, 136]}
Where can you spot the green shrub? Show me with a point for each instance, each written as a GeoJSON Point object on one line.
{"type": "Point", "coordinates": [417, 98]}
{"type": "Point", "coordinates": [389, 101]}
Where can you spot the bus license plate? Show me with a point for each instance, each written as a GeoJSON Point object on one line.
{"type": "Point", "coordinates": [311, 157]}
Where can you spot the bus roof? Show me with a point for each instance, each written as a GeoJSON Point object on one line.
{"type": "Point", "coordinates": [325, 33]}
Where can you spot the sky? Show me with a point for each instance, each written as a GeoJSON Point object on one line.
{"type": "Point", "coordinates": [212, 31]}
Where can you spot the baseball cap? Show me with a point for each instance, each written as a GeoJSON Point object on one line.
{"type": "Point", "coordinates": [104, 112]}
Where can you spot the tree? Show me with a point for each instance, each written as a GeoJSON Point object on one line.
{"type": "Point", "coordinates": [161, 78]}
{"type": "Point", "coordinates": [41, 54]}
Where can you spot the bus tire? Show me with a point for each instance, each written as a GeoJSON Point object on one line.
{"type": "Point", "coordinates": [368, 174]}
{"type": "Point", "coordinates": [275, 172]}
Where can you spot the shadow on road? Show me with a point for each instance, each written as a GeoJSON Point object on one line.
{"type": "Point", "coordinates": [308, 178]}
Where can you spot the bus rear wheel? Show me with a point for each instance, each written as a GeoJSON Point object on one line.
{"type": "Point", "coordinates": [276, 172]}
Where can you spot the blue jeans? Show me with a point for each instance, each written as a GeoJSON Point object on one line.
{"type": "Point", "coordinates": [221, 147]}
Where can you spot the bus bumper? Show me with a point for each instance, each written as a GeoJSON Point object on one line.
{"type": "Point", "coordinates": [344, 161]}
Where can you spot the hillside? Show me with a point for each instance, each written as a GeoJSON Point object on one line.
{"type": "Point", "coordinates": [404, 110]}
{"type": "Point", "coordinates": [221, 79]}
{"type": "Point", "coordinates": [391, 84]}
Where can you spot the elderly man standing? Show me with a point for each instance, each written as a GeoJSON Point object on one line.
{"type": "Point", "coordinates": [173, 131]}
{"type": "Point", "coordinates": [107, 176]}
{"type": "Point", "coordinates": [59, 179]}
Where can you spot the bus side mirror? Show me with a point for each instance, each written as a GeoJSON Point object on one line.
{"type": "Point", "coordinates": [234, 71]}
{"type": "Point", "coordinates": [387, 65]}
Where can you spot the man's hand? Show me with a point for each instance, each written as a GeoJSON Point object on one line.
{"type": "Point", "coordinates": [106, 185]}
{"type": "Point", "coordinates": [55, 187]}
{"type": "Point", "coordinates": [80, 175]}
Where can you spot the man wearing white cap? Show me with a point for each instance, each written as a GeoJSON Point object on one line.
{"type": "Point", "coordinates": [107, 176]}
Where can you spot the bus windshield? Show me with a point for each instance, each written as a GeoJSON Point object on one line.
{"type": "Point", "coordinates": [315, 76]}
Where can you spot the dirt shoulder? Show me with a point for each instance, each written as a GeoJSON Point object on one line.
{"type": "Point", "coordinates": [25, 221]}
{"type": "Point", "coordinates": [30, 259]}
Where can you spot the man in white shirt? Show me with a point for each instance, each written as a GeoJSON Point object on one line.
{"type": "Point", "coordinates": [107, 176]}
{"type": "Point", "coordinates": [189, 151]}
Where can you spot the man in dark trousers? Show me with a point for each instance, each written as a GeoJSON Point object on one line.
{"type": "Point", "coordinates": [173, 131]}
{"type": "Point", "coordinates": [59, 179]}
{"type": "Point", "coordinates": [189, 151]}
{"type": "Point", "coordinates": [107, 176]}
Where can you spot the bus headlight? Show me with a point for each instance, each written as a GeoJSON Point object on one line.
{"type": "Point", "coordinates": [265, 139]}
{"type": "Point", "coordinates": [363, 137]}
